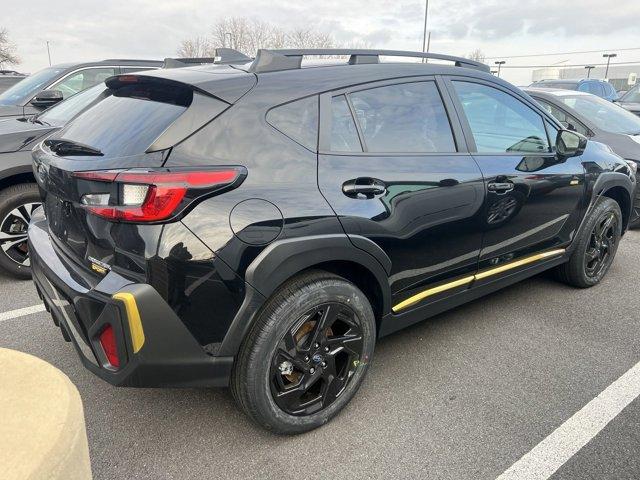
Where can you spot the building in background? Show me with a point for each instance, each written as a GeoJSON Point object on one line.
{"type": "Point", "coordinates": [619, 75]}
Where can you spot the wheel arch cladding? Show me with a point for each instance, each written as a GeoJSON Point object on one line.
{"type": "Point", "coordinates": [285, 259]}
{"type": "Point", "coordinates": [622, 198]}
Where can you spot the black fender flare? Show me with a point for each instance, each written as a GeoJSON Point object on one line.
{"type": "Point", "coordinates": [285, 258]}
{"type": "Point", "coordinates": [606, 181]}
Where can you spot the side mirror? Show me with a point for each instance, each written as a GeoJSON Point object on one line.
{"type": "Point", "coordinates": [46, 98]}
{"type": "Point", "coordinates": [570, 144]}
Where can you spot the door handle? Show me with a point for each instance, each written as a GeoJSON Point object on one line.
{"type": "Point", "coordinates": [500, 187]}
{"type": "Point", "coordinates": [364, 186]}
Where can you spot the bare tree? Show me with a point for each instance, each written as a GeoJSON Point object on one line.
{"type": "Point", "coordinates": [477, 55]}
{"type": "Point", "coordinates": [196, 47]}
{"type": "Point", "coordinates": [248, 36]}
{"type": "Point", "coordinates": [8, 54]}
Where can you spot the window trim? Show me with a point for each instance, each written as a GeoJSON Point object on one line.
{"type": "Point", "coordinates": [471, 143]}
{"type": "Point", "coordinates": [324, 146]}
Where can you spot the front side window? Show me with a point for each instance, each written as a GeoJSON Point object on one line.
{"type": "Point", "coordinates": [407, 118]}
{"type": "Point", "coordinates": [25, 89]}
{"type": "Point", "coordinates": [297, 120]}
{"type": "Point", "coordinates": [344, 136]}
{"type": "Point", "coordinates": [82, 80]}
{"type": "Point", "coordinates": [564, 118]}
{"type": "Point", "coordinates": [632, 96]}
{"type": "Point", "coordinates": [499, 122]}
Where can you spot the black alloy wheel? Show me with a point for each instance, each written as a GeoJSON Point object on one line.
{"type": "Point", "coordinates": [316, 359]}
{"type": "Point", "coordinates": [602, 245]}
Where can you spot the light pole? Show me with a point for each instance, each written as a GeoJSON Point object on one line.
{"type": "Point", "coordinates": [230, 39]}
{"type": "Point", "coordinates": [499, 63]}
{"type": "Point", "coordinates": [424, 31]}
{"type": "Point", "coordinates": [49, 52]}
{"type": "Point", "coordinates": [589, 68]}
{"type": "Point", "coordinates": [608, 56]}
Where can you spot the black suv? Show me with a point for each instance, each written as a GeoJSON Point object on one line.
{"type": "Point", "coordinates": [259, 226]}
{"type": "Point", "coordinates": [53, 84]}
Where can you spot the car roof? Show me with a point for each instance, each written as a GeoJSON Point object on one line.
{"type": "Point", "coordinates": [111, 61]}
{"type": "Point", "coordinates": [555, 92]}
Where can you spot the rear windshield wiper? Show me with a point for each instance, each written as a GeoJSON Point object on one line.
{"type": "Point", "coordinates": [66, 148]}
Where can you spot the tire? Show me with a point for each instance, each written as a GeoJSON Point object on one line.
{"type": "Point", "coordinates": [285, 330]}
{"type": "Point", "coordinates": [596, 246]}
{"type": "Point", "coordinates": [17, 203]}
{"type": "Point", "coordinates": [634, 224]}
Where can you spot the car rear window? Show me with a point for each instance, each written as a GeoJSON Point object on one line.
{"type": "Point", "coordinates": [297, 120]}
{"type": "Point", "coordinates": [127, 122]}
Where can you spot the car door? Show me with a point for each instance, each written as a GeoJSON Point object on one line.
{"type": "Point", "coordinates": [533, 198]}
{"type": "Point", "coordinates": [395, 169]}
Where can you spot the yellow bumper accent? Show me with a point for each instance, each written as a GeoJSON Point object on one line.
{"type": "Point", "coordinates": [133, 319]}
{"type": "Point", "coordinates": [478, 276]}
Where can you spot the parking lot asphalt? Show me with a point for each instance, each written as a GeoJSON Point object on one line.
{"type": "Point", "coordinates": [461, 396]}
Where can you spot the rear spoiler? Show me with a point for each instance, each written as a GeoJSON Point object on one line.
{"type": "Point", "coordinates": [222, 56]}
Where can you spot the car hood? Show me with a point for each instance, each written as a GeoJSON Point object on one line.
{"type": "Point", "coordinates": [18, 135]}
{"type": "Point", "coordinates": [627, 146]}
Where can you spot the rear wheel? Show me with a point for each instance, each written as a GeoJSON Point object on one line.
{"type": "Point", "coordinates": [306, 355]}
{"type": "Point", "coordinates": [17, 203]}
{"type": "Point", "coordinates": [596, 246]}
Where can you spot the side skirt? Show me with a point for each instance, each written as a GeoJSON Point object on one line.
{"type": "Point", "coordinates": [391, 323]}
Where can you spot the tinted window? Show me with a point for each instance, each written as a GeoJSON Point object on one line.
{"type": "Point", "coordinates": [499, 122]}
{"type": "Point", "coordinates": [562, 85]}
{"type": "Point", "coordinates": [564, 118]}
{"type": "Point", "coordinates": [25, 89]}
{"type": "Point", "coordinates": [408, 117]}
{"type": "Point", "coordinates": [344, 136]}
{"type": "Point", "coordinates": [604, 114]}
{"type": "Point", "coordinates": [297, 120]}
{"type": "Point", "coordinates": [82, 80]}
{"type": "Point", "coordinates": [127, 122]}
{"type": "Point", "coordinates": [61, 113]}
{"type": "Point", "coordinates": [135, 69]}
{"type": "Point", "coordinates": [632, 96]}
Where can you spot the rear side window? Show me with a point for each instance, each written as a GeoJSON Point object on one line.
{"type": "Point", "coordinates": [297, 120]}
{"type": "Point", "coordinates": [127, 122]}
{"type": "Point", "coordinates": [407, 118]}
{"type": "Point", "coordinates": [499, 122]}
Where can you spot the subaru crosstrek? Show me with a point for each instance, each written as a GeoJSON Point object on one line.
{"type": "Point", "coordinates": [260, 225]}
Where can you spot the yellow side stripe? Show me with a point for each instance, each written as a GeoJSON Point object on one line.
{"type": "Point", "coordinates": [431, 291]}
{"type": "Point", "coordinates": [133, 319]}
{"type": "Point", "coordinates": [478, 276]}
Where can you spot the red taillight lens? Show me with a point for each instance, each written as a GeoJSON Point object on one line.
{"type": "Point", "coordinates": [152, 196]}
{"type": "Point", "coordinates": [107, 339]}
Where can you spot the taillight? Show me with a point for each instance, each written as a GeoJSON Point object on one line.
{"type": "Point", "coordinates": [152, 196]}
{"type": "Point", "coordinates": [107, 339]}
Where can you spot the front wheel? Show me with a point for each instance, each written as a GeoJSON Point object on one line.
{"type": "Point", "coordinates": [306, 355]}
{"type": "Point", "coordinates": [17, 203]}
{"type": "Point", "coordinates": [596, 246]}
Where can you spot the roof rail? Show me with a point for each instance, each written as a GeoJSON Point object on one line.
{"type": "Point", "coordinates": [222, 56]}
{"type": "Point", "coordinates": [290, 59]}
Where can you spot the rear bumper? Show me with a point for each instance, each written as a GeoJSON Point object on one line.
{"type": "Point", "coordinates": [169, 356]}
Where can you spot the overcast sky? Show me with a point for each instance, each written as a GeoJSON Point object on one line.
{"type": "Point", "coordinates": [90, 29]}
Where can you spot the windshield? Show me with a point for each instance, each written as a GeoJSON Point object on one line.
{"type": "Point", "coordinates": [632, 96]}
{"type": "Point", "coordinates": [63, 112]}
{"type": "Point", "coordinates": [605, 115]}
{"type": "Point", "coordinates": [25, 89]}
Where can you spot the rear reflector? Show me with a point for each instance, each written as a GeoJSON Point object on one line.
{"type": "Point", "coordinates": [153, 196]}
{"type": "Point", "coordinates": [108, 341]}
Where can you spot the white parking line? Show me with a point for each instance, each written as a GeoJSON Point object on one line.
{"type": "Point", "coordinates": [21, 312]}
{"type": "Point", "coordinates": [552, 452]}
